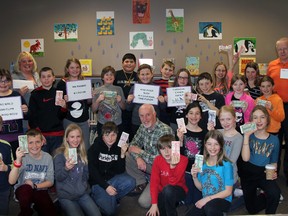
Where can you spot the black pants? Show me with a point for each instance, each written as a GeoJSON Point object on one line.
{"type": "Point", "coordinates": [283, 134]}
{"type": "Point", "coordinates": [169, 198]}
{"type": "Point", "coordinates": [253, 178]}
{"type": "Point", "coordinates": [215, 207]}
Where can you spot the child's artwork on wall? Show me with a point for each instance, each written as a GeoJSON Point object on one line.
{"type": "Point", "coordinates": [263, 67]}
{"type": "Point", "coordinates": [192, 64]}
{"type": "Point", "coordinates": [141, 11]}
{"type": "Point", "coordinates": [243, 62]}
{"type": "Point", "coordinates": [105, 22]}
{"type": "Point", "coordinates": [174, 20]}
{"type": "Point", "coordinates": [210, 31]}
{"type": "Point", "coordinates": [86, 66]}
{"type": "Point", "coordinates": [34, 46]}
{"type": "Point", "coordinates": [248, 44]}
{"type": "Point", "coordinates": [141, 40]}
{"type": "Point", "coordinates": [65, 32]}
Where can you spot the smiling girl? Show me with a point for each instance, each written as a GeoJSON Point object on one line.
{"type": "Point", "coordinates": [252, 76]}
{"type": "Point", "coordinates": [72, 176]}
{"type": "Point", "coordinates": [77, 110]}
{"type": "Point", "coordinates": [244, 109]}
{"type": "Point", "coordinates": [216, 179]}
{"type": "Point", "coordinates": [259, 149]}
{"type": "Point", "coordinates": [182, 78]}
{"type": "Point", "coordinates": [192, 144]}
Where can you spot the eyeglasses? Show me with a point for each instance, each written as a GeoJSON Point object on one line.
{"type": "Point", "coordinates": [4, 81]}
{"type": "Point", "coordinates": [26, 61]}
{"type": "Point", "coordinates": [182, 78]}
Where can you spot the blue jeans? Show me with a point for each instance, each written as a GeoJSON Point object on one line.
{"type": "Point", "coordinates": [108, 204]}
{"type": "Point", "coordinates": [52, 143]}
{"type": "Point", "coordinates": [83, 206]}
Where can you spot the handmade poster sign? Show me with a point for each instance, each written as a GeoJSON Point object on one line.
{"type": "Point", "coordinates": [10, 108]}
{"type": "Point", "coordinates": [146, 94]}
{"type": "Point", "coordinates": [175, 96]}
{"type": "Point", "coordinates": [79, 90]}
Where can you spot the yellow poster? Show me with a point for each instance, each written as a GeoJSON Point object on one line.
{"type": "Point", "coordinates": [86, 66]}
{"type": "Point", "coordinates": [243, 62]}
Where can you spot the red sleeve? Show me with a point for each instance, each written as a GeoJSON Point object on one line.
{"type": "Point", "coordinates": [155, 179]}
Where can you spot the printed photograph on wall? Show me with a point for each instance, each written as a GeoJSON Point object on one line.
{"type": "Point", "coordinates": [243, 62]}
{"type": "Point", "coordinates": [245, 45]}
{"type": "Point", "coordinates": [141, 11]}
{"type": "Point", "coordinates": [141, 40]}
{"type": "Point", "coordinates": [174, 20]}
{"type": "Point", "coordinates": [86, 66]}
{"type": "Point", "coordinates": [65, 32]}
{"type": "Point", "coordinates": [192, 64]}
{"type": "Point", "coordinates": [105, 22]}
{"type": "Point", "coordinates": [210, 31]}
{"type": "Point", "coordinates": [34, 46]}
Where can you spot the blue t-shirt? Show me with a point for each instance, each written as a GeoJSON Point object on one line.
{"type": "Point", "coordinates": [262, 151]}
{"type": "Point", "coordinates": [214, 179]}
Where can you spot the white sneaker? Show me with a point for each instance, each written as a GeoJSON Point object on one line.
{"type": "Point", "coordinates": [281, 197]}
{"type": "Point", "coordinates": [238, 192]}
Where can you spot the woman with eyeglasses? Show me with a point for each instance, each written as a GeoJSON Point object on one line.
{"type": "Point", "coordinates": [26, 69]}
{"type": "Point", "coordinates": [182, 78]}
{"type": "Point", "coordinates": [223, 74]}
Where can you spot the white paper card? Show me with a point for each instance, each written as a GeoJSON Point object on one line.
{"type": "Point", "coordinates": [284, 73]}
{"type": "Point", "coordinates": [10, 108]}
{"type": "Point", "coordinates": [181, 124]}
{"type": "Point", "coordinates": [79, 90]}
{"type": "Point", "coordinates": [176, 95]}
{"type": "Point", "coordinates": [175, 151]}
{"type": "Point", "coordinates": [73, 155]}
{"type": "Point", "coordinates": [199, 161]}
{"type": "Point", "coordinates": [23, 143]}
{"type": "Point", "coordinates": [146, 94]}
{"type": "Point", "coordinates": [123, 139]}
{"type": "Point", "coordinates": [17, 84]}
{"type": "Point", "coordinates": [247, 127]}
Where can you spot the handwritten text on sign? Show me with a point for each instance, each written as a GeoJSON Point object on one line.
{"type": "Point", "coordinates": [176, 96]}
{"type": "Point", "coordinates": [79, 90]}
{"type": "Point", "coordinates": [146, 94]}
{"type": "Point", "coordinates": [10, 108]}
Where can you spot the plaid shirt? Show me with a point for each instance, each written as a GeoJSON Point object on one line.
{"type": "Point", "coordinates": [147, 140]}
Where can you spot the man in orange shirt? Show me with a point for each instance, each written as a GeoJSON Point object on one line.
{"type": "Point", "coordinates": [278, 71]}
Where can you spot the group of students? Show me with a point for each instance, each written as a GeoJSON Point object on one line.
{"type": "Point", "coordinates": [58, 125]}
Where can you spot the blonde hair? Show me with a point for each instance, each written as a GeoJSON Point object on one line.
{"type": "Point", "coordinates": [81, 151]}
{"type": "Point", "coordinates": [25, 55]}
{"type": "Point", "coordinates": [68, 63]}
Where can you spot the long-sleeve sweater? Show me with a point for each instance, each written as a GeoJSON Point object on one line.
{"type": "Point", "coordinates": [163, 175]}
{"type": "Point", "coordinates": [104, 162]}
{"type": "Point", "coordinates": [70, 184]}
{"type": "Point", "coordinates": [244, 97]}
{"type": "Point", "coordinates": [43, 112]}
{"type": "Point", "coordinates": [277, 113]}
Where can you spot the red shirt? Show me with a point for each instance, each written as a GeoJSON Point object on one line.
{"type": "Point", "coordinates": [163, 175]}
